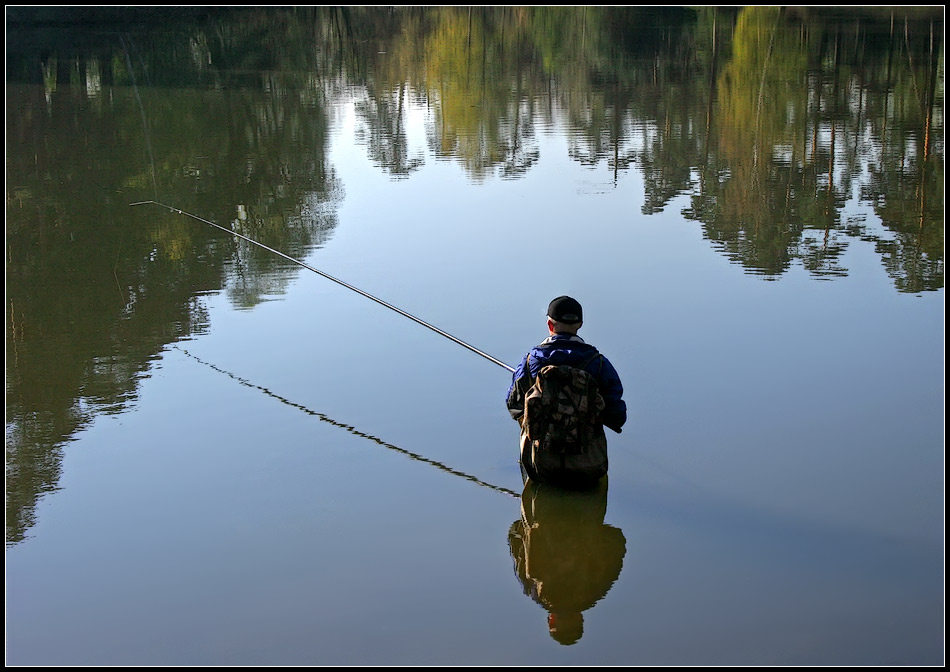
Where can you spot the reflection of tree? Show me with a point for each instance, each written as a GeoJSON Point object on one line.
{"type": "Point", "coordinates": [620, 107]}
{"type": "Point", "coordinates": [754, 221]}
{"type": "Point", "coordinates": [89, 303]}
{"type": "Point", "coordinates": [762, 117]}
{"type": "Point", "coordinates": [265, 171]}
{"type": "Point", "coordinates": [770, 120]}
{"type": "Point", "coordinates": [791, 142]}
{"type": "Point", "coordinates": [469, 79]}
{"type": "Point", "coordinates": [906, 184]}
{"type": "Point", "coordinates": [385, 133]}
{"type": "Point", "coordinates": [280, 189]}
{"type": "Point", "coordinates": [94, 289]}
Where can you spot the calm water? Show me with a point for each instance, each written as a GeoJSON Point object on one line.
{"type": "Point", "coordinates": [215, 456]}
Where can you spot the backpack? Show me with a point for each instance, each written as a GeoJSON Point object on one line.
{"type": "Point", "coordinates": [562, 438]}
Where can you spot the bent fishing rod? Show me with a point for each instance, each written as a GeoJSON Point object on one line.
{"type": "Point", "coordinates": [336, 280]}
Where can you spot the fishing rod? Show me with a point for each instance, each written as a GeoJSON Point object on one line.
{"type": "Point", "coordinates": [336, 280]}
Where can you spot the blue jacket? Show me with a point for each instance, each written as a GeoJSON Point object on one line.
{"type": "Point", "coordinates": [571, 350]}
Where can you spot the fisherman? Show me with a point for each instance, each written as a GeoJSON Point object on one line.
{"type": "Point", "coordinates": [564, 347]}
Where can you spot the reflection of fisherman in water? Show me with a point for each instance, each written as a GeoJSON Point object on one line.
{"type": "Point", "coordinates": [565, 556]}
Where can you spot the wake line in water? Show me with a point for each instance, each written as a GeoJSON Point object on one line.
{"type": "Point", "coordinates": [352, 430]}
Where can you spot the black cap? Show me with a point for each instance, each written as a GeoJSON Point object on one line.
{"type": "Point", "coordinates": [565, 309]}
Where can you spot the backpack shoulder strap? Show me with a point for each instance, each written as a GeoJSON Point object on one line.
{"type": "Point", "coordinates": [590, 358]}
{"type": "Point", "coordinates": [582, 365]}
{"type": "Point", "coordinates": [526, 380]}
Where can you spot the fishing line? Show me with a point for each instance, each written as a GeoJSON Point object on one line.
{"type": "Point", "coordinates": [339, 282]}
{"type": "Point", "coordinates": [349, 428]}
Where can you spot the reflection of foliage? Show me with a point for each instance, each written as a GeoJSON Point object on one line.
{"type": "Point", "coordinates": [471, 69]}
{"type": "Point", "coordinates": [95, 290]}
{"type": "Point", "coordinates": [906, 184]}
{"type": "Point", "coordinates": [385, 134]}
{"type": "Point", "coordinates": [787, 123]}
{"type": "Point", "coordinates": [253, 273]}
{"type": "Point", "coordinates": [728, 105]}
{"type": "Point", "coordinates": [465, 66]}
{"type": "Point", "coordinates": [911, 208]}
{"type": "Point", "coordinates": [756, 224]}
{"type": "Point", "coordinates": [613, 76]}
{"type": "Point", "coordinates": [769, 119]}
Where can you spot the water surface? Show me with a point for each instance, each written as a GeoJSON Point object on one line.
{"type": "Point", "coordinates": [218, 457]}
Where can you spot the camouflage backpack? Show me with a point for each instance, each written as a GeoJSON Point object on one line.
{"type": "Point", "coordinates": [562, 435]}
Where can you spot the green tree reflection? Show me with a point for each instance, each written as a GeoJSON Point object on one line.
{"type": "Point", "coordinates": [95, 290]}
{"type": "Point", "coordinates": [783, 128]}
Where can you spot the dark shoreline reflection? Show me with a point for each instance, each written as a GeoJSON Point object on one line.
{"type": "Point", "coordinates": [775, 118]}
{"type": "Point", "coordinates": [565, 557]}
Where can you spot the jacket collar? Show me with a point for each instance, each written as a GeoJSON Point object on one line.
{"type": "Point", "coordinates": [562, 337]}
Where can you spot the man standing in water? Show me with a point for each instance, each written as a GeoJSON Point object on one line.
{"type": "Point", "coordinates": [576, 466]}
